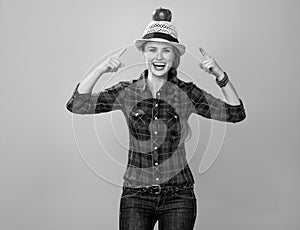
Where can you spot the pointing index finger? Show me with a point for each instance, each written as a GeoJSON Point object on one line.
{"type": "Point", "coordinates": [204, 53]}
{"type": "Point", "coordinates": [121, 52]}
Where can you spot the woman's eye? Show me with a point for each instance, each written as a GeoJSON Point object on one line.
{"type": "Point", "coordinates": [151, 50]}
{"type": "Point", "coordinates": [168, 51]}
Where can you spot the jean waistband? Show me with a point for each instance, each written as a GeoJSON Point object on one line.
{"type": "Point", "coordinates": [157, 189]}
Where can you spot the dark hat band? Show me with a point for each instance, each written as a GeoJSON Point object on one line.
{"type": "Point", "coordinates": [160, 35]}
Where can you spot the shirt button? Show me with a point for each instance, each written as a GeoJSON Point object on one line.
{"type": "Point", "coordinates": [155, 118]}
{"type": "Point", "coordinates": [175, 116]}
{"type": "Point", "coordinates": [158, 94]}
{"type": "Point", "coordinates": [157, 179]}
{"type": "Point", "coordinates": [155, 147]}
{"type": "Point", "coordinates": [156, 163]}
{"type": "Point", "coordinates": [156, 105]}
{"type": "Point", "coordinates": [155, 132]}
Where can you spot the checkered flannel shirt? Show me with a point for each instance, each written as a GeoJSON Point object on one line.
{"type": "Point", "coordinates": [156, 153]}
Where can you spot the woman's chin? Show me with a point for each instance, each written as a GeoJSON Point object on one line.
{"type": "Point", "coordinates": [159, 73]}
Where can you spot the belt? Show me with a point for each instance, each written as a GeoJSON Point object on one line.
{"type": "Point", "coordinates": [157, 189]}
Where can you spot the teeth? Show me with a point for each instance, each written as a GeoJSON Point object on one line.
{"type": "Point", "coordinates": [159, 64]}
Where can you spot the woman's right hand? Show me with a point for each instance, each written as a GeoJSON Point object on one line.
{"type": "Point", "coordinates": [112, 63]}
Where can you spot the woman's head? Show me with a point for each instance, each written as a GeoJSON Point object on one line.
{"type": "Point", "coordinates": [160, 57]}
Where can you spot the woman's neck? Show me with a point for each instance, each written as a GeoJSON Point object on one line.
{"type": "Point", "coordinates": [156, 82]}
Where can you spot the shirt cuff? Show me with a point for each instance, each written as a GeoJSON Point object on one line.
{"type": "Point", "coordinates": [236, 113]}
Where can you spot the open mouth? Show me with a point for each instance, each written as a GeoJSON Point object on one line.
{"type": "Point", "coordinates": [159, 65]}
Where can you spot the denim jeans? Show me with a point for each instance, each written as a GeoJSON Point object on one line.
{"type": "Point", "coordinates": [174, 210]}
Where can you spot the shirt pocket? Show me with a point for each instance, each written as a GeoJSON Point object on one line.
{"type": "Point", "coordinates": [138, 123]}
{"type": "Point", "coordinates": [138, 117]}
{"type": "Point", "coordinates": [174, 125]}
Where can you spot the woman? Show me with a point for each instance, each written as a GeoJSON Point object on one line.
{"type": "Point", "coordinates": [158, 183]}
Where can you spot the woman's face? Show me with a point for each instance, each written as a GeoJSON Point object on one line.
{"type": "Point", "coordinates": [159, 57]}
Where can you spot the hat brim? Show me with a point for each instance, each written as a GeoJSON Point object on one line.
{"type": "Point", "coordinates": [139, 43]}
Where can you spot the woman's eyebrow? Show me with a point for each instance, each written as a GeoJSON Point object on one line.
{"type": "Point", "coordinates": [154, 47]}
{"type": "Point", "coordinates": [151, 47]}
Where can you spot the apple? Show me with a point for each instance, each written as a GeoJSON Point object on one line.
{"type": "Point", "coordinates": [162, 14]}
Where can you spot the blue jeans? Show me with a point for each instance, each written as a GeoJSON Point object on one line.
{"type": "Point", "coordinates": [174, 210]}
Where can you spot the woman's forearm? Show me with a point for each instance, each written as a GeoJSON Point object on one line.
{"type": "Point", "coordinates": [88, 83]}
{"type": "Point", "coordinates": [230, 94]}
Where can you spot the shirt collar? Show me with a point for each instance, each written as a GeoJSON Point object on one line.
{"type": "Point", "coordinates": [142, 80]}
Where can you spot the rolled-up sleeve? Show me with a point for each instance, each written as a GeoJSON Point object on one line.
{"type": "Point", "coordinates": [92, 103]}
{"type": "Point", "coordinates": [211, 107]}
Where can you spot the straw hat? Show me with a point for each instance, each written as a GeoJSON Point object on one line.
{"type": "Point", "coordinates": [161, 29]}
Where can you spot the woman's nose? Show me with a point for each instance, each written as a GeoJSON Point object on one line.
{"type": "Point", "coordinates": [159, 55]}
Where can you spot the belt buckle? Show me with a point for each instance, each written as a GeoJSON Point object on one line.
{"type": "Point", "coordinates": [159, 188]}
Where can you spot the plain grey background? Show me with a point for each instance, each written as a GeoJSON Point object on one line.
{"type": "Point", "coordinates": [47, 46]}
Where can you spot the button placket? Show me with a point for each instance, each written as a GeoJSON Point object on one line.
{"type": "Point", "coordinates": [155, 144]}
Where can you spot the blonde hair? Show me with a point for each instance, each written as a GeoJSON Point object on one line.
{"type": "Point", "coordinates": [176, 61]}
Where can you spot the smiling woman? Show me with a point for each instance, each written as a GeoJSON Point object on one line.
{"type": "Point", "coordinates": [158, 182]}
{"type": "Point", "coordinates": [159, 58]}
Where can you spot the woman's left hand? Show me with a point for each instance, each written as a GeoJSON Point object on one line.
{"type": "Point", "coordinates": [210, 66]}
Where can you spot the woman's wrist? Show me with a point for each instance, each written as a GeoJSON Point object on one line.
{"type": "Point", "coordinates": [220, 75]}
{"type": "Point", "coordinates": [222, 80]}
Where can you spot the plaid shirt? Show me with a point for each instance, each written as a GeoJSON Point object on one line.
{"type": "Point", "coordinates": [156, 152]}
